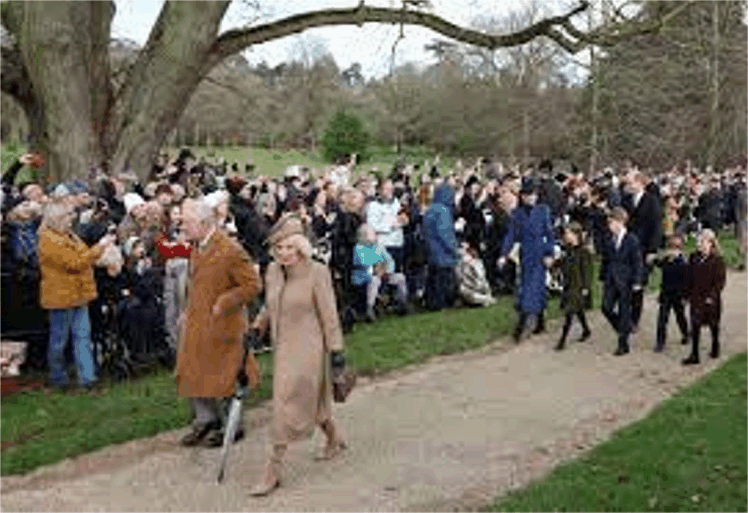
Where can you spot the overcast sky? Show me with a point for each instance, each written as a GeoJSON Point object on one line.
{"type": "Point", "coordinates": [370, 45]}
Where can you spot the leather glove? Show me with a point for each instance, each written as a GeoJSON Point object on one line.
{"type": "Point", "coordinates": [337, 360]}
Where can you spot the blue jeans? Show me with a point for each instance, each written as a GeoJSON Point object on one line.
{"type": "Point", "coordinates": [61, 323]}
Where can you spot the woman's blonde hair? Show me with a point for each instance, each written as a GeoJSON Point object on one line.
{"type": "Point", "coordinates": [712, 237]}
{"type": "Point", "coordinates": [55, 216]}
{"type": "Point", "coordinates": [300, 242]}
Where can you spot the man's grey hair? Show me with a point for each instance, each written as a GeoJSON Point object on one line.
{"type": "Point", "coordinates": [55, 213]}
{"type": "Point", "coordinates": [204, 212]}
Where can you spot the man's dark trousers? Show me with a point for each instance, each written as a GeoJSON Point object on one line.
{"type": "Point", "coordinates": [637, 299]}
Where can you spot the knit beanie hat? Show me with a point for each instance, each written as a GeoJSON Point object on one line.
{"type": "Point", "coordinates": [131, 200]}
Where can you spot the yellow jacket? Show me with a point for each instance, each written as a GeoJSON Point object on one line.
{"type": "Point", "coordinates": [66, 264]}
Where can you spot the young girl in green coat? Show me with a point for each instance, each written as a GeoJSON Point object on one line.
{"type": "Point", "coordinates": [576, 265]}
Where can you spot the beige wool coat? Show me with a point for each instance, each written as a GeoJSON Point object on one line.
{"type": "Point", "coordinates": [302, 317]}
{"type": "Point", "coordinates": [211, 346]}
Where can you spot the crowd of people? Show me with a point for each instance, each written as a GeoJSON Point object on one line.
{"type": "Point", "coordinates": [108, 257]}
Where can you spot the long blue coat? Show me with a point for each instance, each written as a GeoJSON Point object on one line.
{"type": "Point", "coordinates": [532, 228]}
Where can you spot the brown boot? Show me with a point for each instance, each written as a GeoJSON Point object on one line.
{"type": "Point", "coordinates": [271, 479]}
{"type": "Point", "coordinates": [335, 440]}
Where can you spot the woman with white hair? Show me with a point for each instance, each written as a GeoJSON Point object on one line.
{"type": "Point", "coordinates": [704, 286]}
{"type": "Point", "coordinates": [302, 317]}
{"type": "Point", "coordinates": [67, 286]}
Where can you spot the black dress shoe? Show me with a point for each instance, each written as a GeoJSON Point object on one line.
{"type": "Point", "coordinates": [714, 353]}
{"type": "Point", "coordinates": [684, 341]}
{"type": "Point", "coordinates": [215, 439]}
{"type": "Point", "coordinates": [540, 328]}
{"type": "Point", "coordinates": [691, 360]}
{"type": "Point", "coordinates": [621, 352]}
{"type": "Point", "coordinates": [198, 433]}
{"type": "Point", "coordinates": [560, 346]}
{"type": "Point", "coordinates": [585, 336]}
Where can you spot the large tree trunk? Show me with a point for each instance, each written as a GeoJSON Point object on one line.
{"type": "Point", "coordinates": [167, 72]}
{"type": "Point", "coordinates": [65, 63]}
{"type": "Point", "coordinates": [65, 47]}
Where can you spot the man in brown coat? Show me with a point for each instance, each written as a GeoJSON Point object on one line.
{"type": "Point", "coordinates": [222, 281]}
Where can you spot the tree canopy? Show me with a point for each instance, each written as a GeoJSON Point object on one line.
{"type": "Point", "coordinates": [56, 62]}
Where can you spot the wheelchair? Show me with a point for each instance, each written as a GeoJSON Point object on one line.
{"type": "Point", "coordinates": [111, 352]}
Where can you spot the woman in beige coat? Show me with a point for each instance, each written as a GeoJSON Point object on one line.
{"type": "Point", "coordinates": [301, 314]}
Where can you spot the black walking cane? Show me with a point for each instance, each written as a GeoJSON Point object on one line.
{"type": "Point", "coordinates": [235, 408]}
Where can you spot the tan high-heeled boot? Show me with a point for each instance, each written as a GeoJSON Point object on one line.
{"type": "Point", "coordinates": [272, 477]}
{"type": "Point", "coordinates": [335, 440]}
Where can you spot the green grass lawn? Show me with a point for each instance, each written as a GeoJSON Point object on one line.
{"type": "Point", "coordinates": [274, 162]}
{"type": "Point", "coordinates": [687, 455]}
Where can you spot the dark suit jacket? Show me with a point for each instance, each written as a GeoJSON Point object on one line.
{"type": "Point", "coordinates": [645, 221]}
{"type": "Point", "coordinates": [623, 267]}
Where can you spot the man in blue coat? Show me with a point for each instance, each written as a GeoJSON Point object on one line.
{"type": "Point", "coordinates": [530, 226]}
{"type": "Point", "coordinates": [441, 241]}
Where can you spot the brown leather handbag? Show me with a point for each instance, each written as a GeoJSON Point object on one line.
{"type": "Point", "coordinates": [343, 382]}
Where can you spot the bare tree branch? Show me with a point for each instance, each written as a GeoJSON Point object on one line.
{"type": "Point", "coordinates": [234, 41]}
{"type": "Point", "coordinates": [612, 35]}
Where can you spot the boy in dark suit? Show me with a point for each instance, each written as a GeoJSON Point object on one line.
{"type": "Point", "coordinates": [672, 290]}
{"type": "Point", "coordinates": [622, 277]}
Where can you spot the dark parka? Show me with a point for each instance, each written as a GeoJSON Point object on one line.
{"type": "Point", "coordinates": [576, 267]}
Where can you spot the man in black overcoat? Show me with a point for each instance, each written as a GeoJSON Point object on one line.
{"type": "Point", "coordinates": [645, 221]}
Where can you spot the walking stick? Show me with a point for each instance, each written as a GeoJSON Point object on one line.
{"type": "Point", "coordinates": [235, 411]}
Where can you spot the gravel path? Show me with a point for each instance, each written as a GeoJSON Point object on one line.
{"type": "Point", "coordinates": [448, 435]}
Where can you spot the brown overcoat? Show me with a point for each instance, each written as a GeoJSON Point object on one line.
{"type": "Point", "coordinates": [302, 317]}
{"type": "Point", "coordinates": [704, 285]}
{"type": "Point", "coordinates": [211, 347]}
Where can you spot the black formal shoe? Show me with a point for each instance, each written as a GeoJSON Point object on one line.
{"type": "Point", "coordinates": [691, 360]}
{"type": "Point", "coordinates": [540, 328]}
{"type": "Point", "coordinates": [684, 341]}
{"type": "Point", "coordinates": [198, 433]}
{"type": "Point", "coordinates": [215, 438]}
{"type": "Point", "coordinates": [659, 349]}
{"type": "Point", "coordinates": [585, 336]}
{"type": "Point", "coordinates": [714, 353]}
{"type": "Point", "coordinates": [621, 352]}
{"type": "Point", "coordinates": [560, 346]}
{"type": "Point", "coordinates": [516, 336]}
